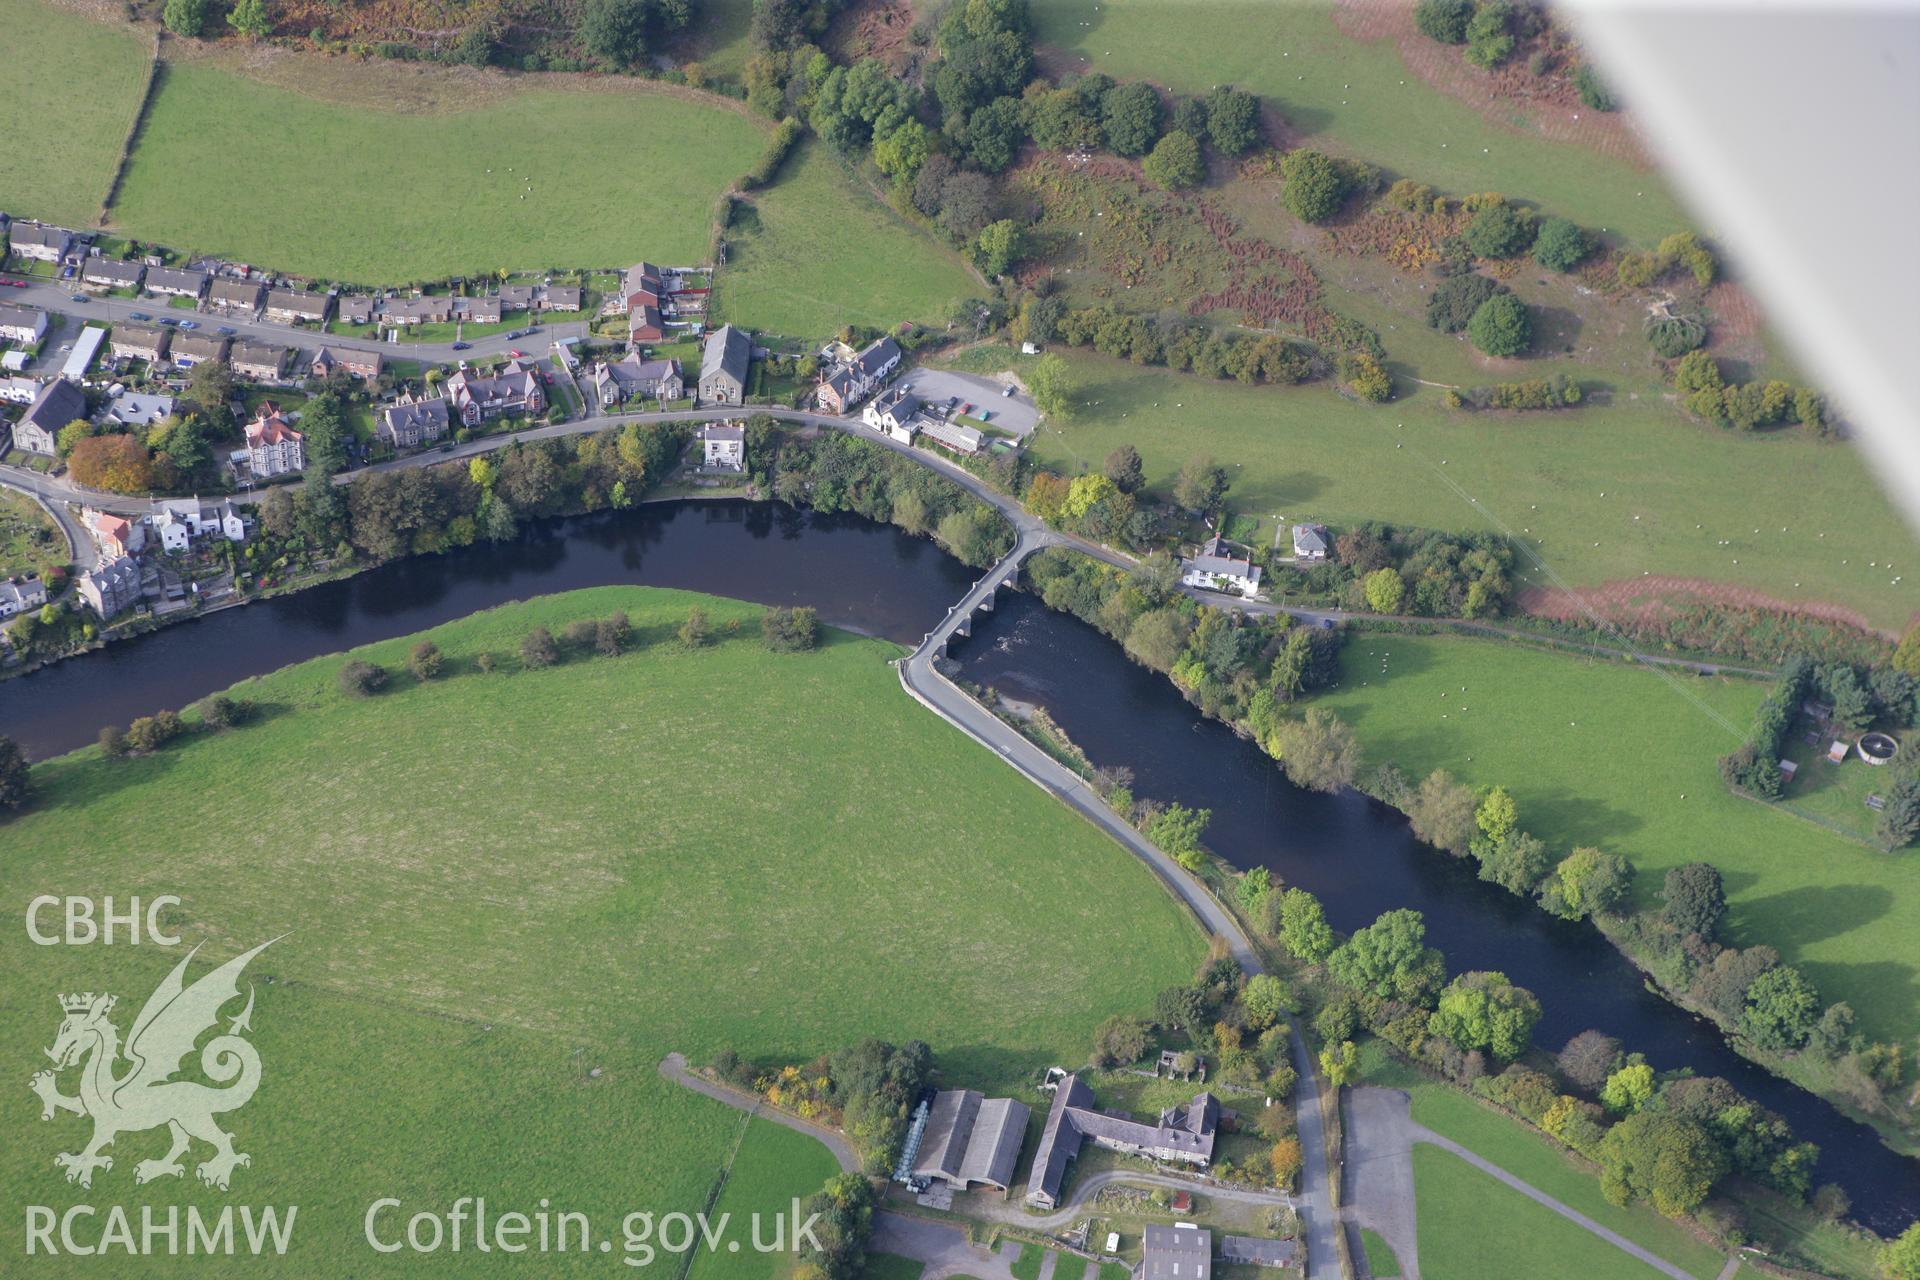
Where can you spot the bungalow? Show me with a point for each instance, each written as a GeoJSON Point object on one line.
{"type": "Point", "coordinates": [294, 306]}
{"type": "Point", "coordinates": [15, 390]}
{"type": "Point", "coordinates": [1183, 1134]}
{"type": "Point", "coordinates": [853, 381]}
{"type": "Point", "coordinates": [410, 421]}
{"type": "Point", "coordinates": [135, 409]}
{"type": "Point", "coordinates": [40, 241]}
{"type": "Point", "coordinates": [58, 403]}
{"type": "Point", "coordinates": [24, 326]}
{"type": "Point", "coordinates": [723, 366]}
{"type": "Point", "coordinates": [970, 1140]}
{"type": "Point", "coordinates": [891, 410]}
{"type": "Point", "coordinates": [404, 311]}
{"type": "Point", "coordinates": [355, 308]}
{"type": "Point", "coordinates": [259, 361]}
{"type": "Point", "coordinates": [476, 397]}
{"type": "Point", "coordinates": [189, 349]}
{"type": "Point", "coordinates": [18, 595]}
{"type": "Point", "coordinates": [111, 273]}
{"type": "Point", "coordinates": [235, 297]}
{"type": "Point", "coordinates": [114, 535]}
{"type": "Point", "coordinates": [112, 587]}
{"type": "Point", "coordinates": [1309, 542]}
{"type": "Point", "coordinates": [631, 377]}
{"type": "Point", "coordinates": [1216, 568]}
{"type": "Point", "coordinates": [139, 342]}
{"type": "Point", "coordinates": [723, 446]}
{"type": "Point", "coordinates": [177, 282]}
{"type": "Point", "coordinates": [478, 310]}
{"type": "Point", "coordinates": [965, 441]}
{"type": "Point", "coordinates": [273, 447]}
{"type": "Point", "coordinates": [364, 365]}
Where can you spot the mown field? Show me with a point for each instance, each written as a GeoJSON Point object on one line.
{"type": "Point", "coordinates": [68, 97]}
{"type": "Point", "coordinates": [507, 896]}
{"type": "Point", "coordinates": [1599, 493]}
{"type": "Point", "coordinates": [1356, 98]}
{"type": "Point", "coordinates": [818, 251]}
{"type": "Point", "coordinates": [540, 178]}
{"type": "Point", "coordinates": [1621, 758]}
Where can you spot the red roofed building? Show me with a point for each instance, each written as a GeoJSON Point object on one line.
{"type": "Point", "coordinates": [273, 446]}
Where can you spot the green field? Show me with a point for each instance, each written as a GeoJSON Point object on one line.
{"type": "Point", "coordinates": [1599, 494]}
{"type": "Point", "coordinates": [817, 251]}
{"type": "Point", "coordinates": [1380, 1259]}
{"type": "Point", "coordinates": [493, 937]}
{"type": "Point", "coordinates": [68, 95]}
{"type": "Point", "coordinates": [773, 1159]}
{"type": "Point", "coordinates": [1473, 1227]}
{"type": "Point", "coordinates": [1358, 99]}
{"type": "Point", "coordinates": [536, 179]}
{"type": "Point", "coordinates": [1603, 754]}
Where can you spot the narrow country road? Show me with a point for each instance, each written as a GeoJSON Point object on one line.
{"type": "Point", "coordinates": [674, 1068]}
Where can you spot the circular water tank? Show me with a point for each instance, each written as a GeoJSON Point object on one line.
{"type": "Point", "coordinates": [1876, 748]}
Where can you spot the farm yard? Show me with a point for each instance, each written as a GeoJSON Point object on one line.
{"type": "Point", "coordinates": [454, 185]}
{"type": "Point", "coordinates": [476, 991]}
{"type": "Point", "coordinates": [818, 250]}
{"type": "Point", "coordinates": [1624, 759]}
{"type": "Point", "coordinates": [1357, 98]}
{"type": "Point", "coordinates": [94, 74]}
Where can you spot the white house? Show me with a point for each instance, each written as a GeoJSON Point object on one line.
{"type": "Point", "coordinates": [178, 521]}
{"type": "Point", "coordinates": [1216, 568]}
{"type": "Point", "coordinates": [18, 595]}
{"type": "Point", "coordinates": [891, 410]}
{"type": "Point", "coordinates": [22, 325]}
{"type": "Point", "coordinates": [273, 446]}
{"type": "Point", "coordinates": [19, 390]}
{"type": "Point", "coordinates": [1309, 542]}
{"type": "Point", "coordinates": [724, 446]}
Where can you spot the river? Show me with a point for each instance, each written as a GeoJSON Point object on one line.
{"type": "Point", "coordinates": [1358, 856]}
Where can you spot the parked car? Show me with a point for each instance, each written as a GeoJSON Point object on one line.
{"type": "Point", "coordinates": [1007, 390]}
{"type": "Point", "coordinates": [189, 324]}
{"type": "Point", "coordinates": [226, 331]}
{"type": "Point", "coordinates": [461, 346]}
{"type": "Point", "coordinates": [138, 315]}
{"type": "Point", "coordinates": [18, 284]}
{"type": "Point", "coordinates": [515, 353]}
{"type": "Point", "coordinates": [168, 321]}
{"type": "Point", "coordinates": [76, 297]}
{"type": "Point", "coordinates": [516, 333]}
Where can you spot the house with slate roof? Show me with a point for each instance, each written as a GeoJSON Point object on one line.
{"type": "Point", "coordinates": [411, 421]}
{"type": "Point", "coordinates": [1216, 568]}
{"type": "Point", "coordinates": [723, 366]}
{"type": "Point", "coordinates": [850, 383]}
{"type": "Point", "coordinates": [176, 282]}
{"type": "Point", "coordinates": [1183, 1134]}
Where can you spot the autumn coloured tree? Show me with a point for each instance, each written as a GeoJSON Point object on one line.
{"type": "Point", "coordinates": [118, 464]}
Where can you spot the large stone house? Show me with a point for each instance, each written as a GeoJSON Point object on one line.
{"type": "Point", "coordinates": [58, 403]}
{"type": "Point", "coordinates": [273, 446]}
{"type": "Point", "coordinates": [475, 397]}
{"type": "Point", "coordinates": [294, 306]}
{"type": "Point", "coordinates": [176, 282]}
{"type": "Point", "coordinates": [411, 421]}
{"type": "Point", "coordinates": [724, 365]}
{"type": "Point", "coordinates": [1183, 1134]}
{"type": "Point", "coordinates": [853, 381]}
{"type": "Point", "coordinates": [22, 326]}
{"type": "Point", "coordinates": [110, 588]}
{"type": "Point", "coordinates": [147, 342]}
{"type": "Point", "coordinates": [235, 297]}
{"type": "Point", "coordinates": [631, 378]}
{"type": "Point", "coordinates": [259, 361]}
{"type": "Point", "coordinates": [110, 273]}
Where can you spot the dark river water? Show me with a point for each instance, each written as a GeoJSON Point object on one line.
{"type": "Point", "coordinates": [1358, 856]}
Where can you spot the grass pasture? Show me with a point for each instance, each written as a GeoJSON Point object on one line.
{"type": "Point", "coordinates": [493, 938]}
{"type": "Point", "coordinates": [1473, 1227]}
{"type": "Point", "coordinates": [59, 162]}
{"type": "Point", "coordinates": [1380, 1260]}
{"type": "Point", "coordinates": [1600, 493]}
{"type": "Point", "coordinates": [818, 251]}
{"type": "Point", "coordinates": [1622, 758]}
{"type": "Point", "coordinates": [1358, 99]}
{"type": "Point", "coordinates": [523, 179]}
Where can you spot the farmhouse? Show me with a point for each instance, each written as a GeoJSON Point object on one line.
{"type": "Point", "coordinates": [58, 403]}
{"type": "Point", "coordinates": [1177, 1252]}
{"type": "Point", "coordinates": [723, 446]}
{"type": "Point", "coordinates": [1309, 542]}
{"type": "Point", "coordinates": [17, 595]}
{"type": "Point", "coordinates": [135, 409]}
{"type": "Point", "coordinates": [176, 282]}
{"type": "Point", "coordinates": [235, 297]}
{"type": "Point", "coordinates": [631, 377]}
{"type": "Point", "coordinates": [851, 383]}
{"type": "Point", "coordinates": [139, 342]}
{"type": "Point", "coordinates": [1216, 568]}
{"type": "Point", "coordinates": [1184, 1134]}
{"type": "Point", "coordinates": [971, 1140]}
{"type": "Point", "coordinates": [364, 365]}
{"type": "Point", "coordinates": [273, 446]}
{"type": "Point", "coordinates": [259, 361]}
{"type": "Point", "coordinates": [476, 397]}
{"type": "Point", "coordinates": [111, 273]}
{"type": "Point", "coordinates": [112, 587]}
{"type": "Point", "coordinates": [892, 410]}
{"type": "Point", "coordinates": [965, 441]}
{"type": "Point", "coordinates": [723, 366]}
{"type": "Point", "coordinates": [292, 306]}
{"type": "Point", "coordinates": [410, 421]}
{"type": "Point", "coordinates": [189, 349]}
{"type": "Point", "coordinates": [22, 325]}
{"type": "Point", "coordinates": [40, 241]}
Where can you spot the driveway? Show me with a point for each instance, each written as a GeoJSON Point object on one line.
{"type": "Point", "coordinates": [1013, 413]}
{"type": "Point", "coordinates": [946, 1250]}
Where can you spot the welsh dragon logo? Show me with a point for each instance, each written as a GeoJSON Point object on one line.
{"type": "Point", "coordinates": [145, 1095]}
